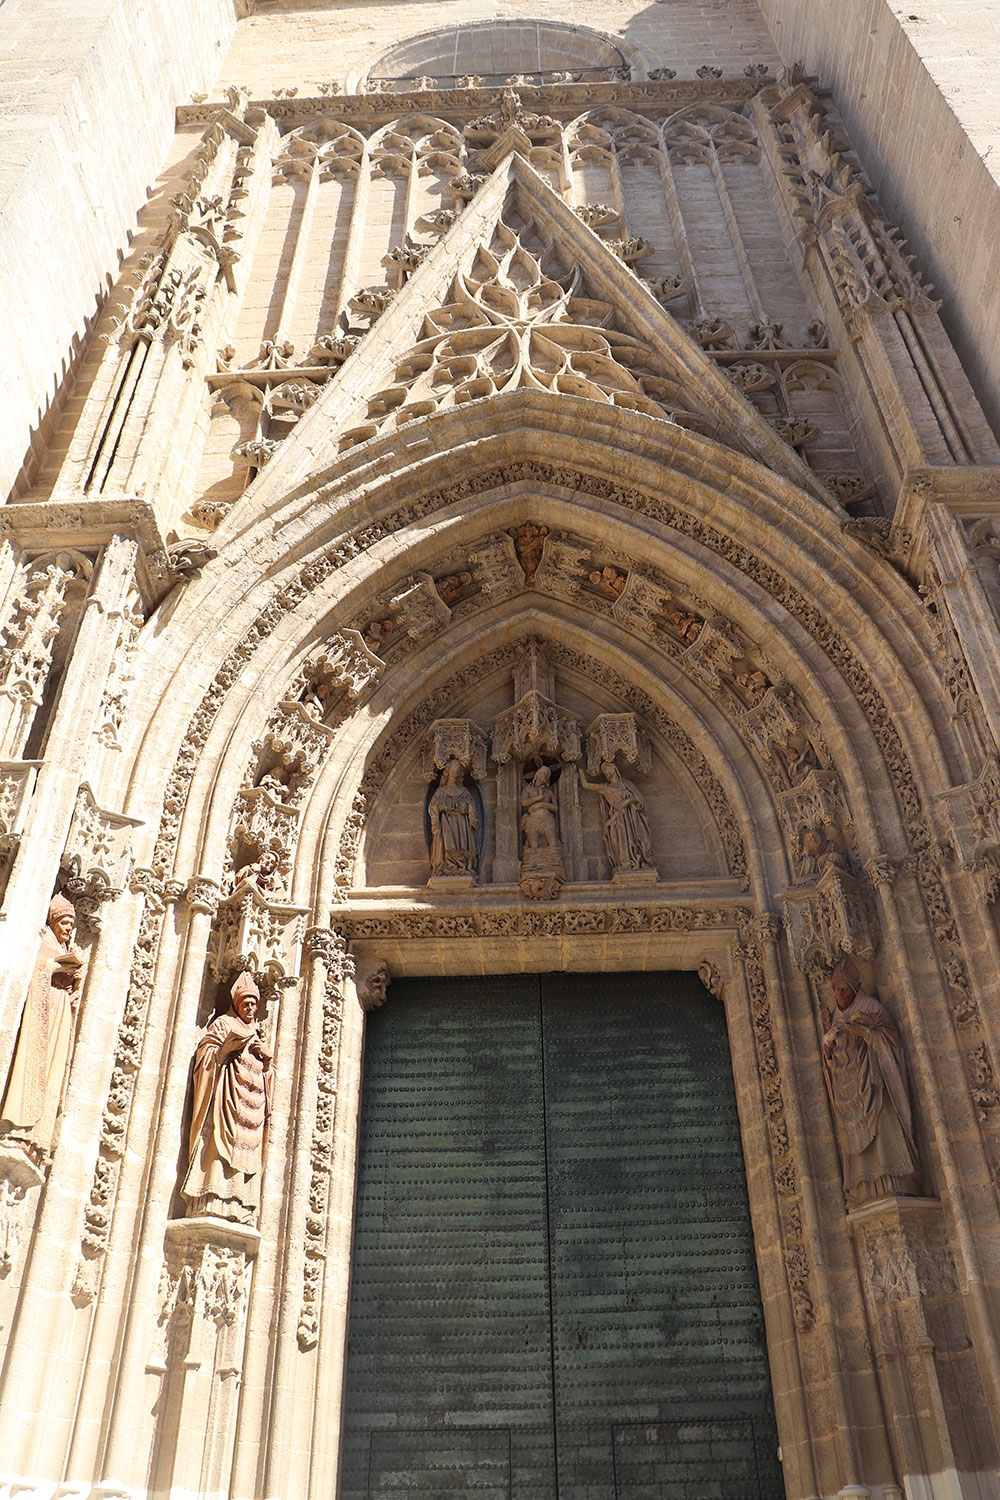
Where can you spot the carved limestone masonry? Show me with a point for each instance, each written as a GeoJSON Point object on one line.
{"type": "Point", "coordinates": [538, 813]}
{"type": "Point", "coordinates": [40, 609]}
{"type": "Point", "coordinates": [455, 739]}
{"type": "Point", "coordinates": [19, 1176]}
{"type": "Point", "coordinates": [886, 312]}
{"type": "Point", "coordinates": [330, 948]}
{"type": "Point", "coordinates": [565, 920]}
{"type": "Point", "coordinates": [496, 568]}
{"type": "Point", "coordinates": [126, 1061]}
{"type": "Point", "coordinates": [784, 736]}
{"type": "Point", "coordinates": [834, 915]}
{"type": "Point", "coordinates": [614, 737]}
{"type": "Point", "coordinates": [257, 931]}
{"type": "Point", "coordinates": [974, 813]}
{"type": "Point", "coordinates": [17, 782]}
{"type": "Point", "coordinates": [785, 1170]}
{"type": "Point", "coordinates": [118, 689]}
{"type": "Point", "coordinates": [373, 981]}
{"type": "Point", "coordinates": [419, 607]}
{"type": "Point", "coordinates": [97, 856]}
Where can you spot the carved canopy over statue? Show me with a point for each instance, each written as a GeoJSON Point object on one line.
{"type": "Point", "coordinates": [45, 1039]}
{"type": "Point", "coordinates": [230, 1105]}
{"type": "Point", "coordinates": [865, 1073]}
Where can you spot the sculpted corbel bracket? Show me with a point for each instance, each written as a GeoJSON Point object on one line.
{"type": "Point", "coordinates": [372, 982]}
{"type": "Point", "coordinates": [19, 1176]}
{"type": "Point", "coordinates": [834, 916]}
{"type": "Point", "coordinates": [347, 662]}
{"type": "Point", "coordinates": [96, 857]}
{"type": "Point", "coordinates": [203, 1294]}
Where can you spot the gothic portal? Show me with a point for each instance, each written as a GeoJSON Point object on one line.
{"type": "Point", "coordinates": [499, 785]}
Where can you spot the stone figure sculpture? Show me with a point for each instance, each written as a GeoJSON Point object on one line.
{"type": "Point", "coordinates": [45, 1039]}
{"type": "Point", "coordinates": [816, 852]}
{"type": "Point", "coordinates": [454, 824]}
{"type": "Point", "coordinates": [264, 874]}
{"type": "Point", "coordinates": [865, 1073]}
{"type": "Point", "coordinates": [230, 1104]}
{"type": "Point", "coordinates": [373, 987]}
{"type": "Point", "coordinates": [627, 840]}
{"type": "Point", "coordinates": [543, 864]}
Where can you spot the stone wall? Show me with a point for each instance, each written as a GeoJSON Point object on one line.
{"type": "Point", "coordinates": [918, 95]}
{"type": "Point", "coordinates": [87, 99]}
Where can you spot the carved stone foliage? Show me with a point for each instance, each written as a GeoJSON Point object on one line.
{"type": "Point", "coordinates": [784, 1166]}
{"type": "Point", "coordinates": [121, 676]}
{"type": "Point", "coordinates": [38, 611]}
{"type": "Point", "coordinates": [518, 921]}
{"type": "Point", "coordinates": [126, 1060]}
{"type": "Point", "coordinates": [203, 1295]}
{"type": "Point", "coordinates": [330, 949]}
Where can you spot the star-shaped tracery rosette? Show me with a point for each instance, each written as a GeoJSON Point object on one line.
{"type": "Point", "coordinates": [518, 319]}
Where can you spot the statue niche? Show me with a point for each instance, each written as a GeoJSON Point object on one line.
{"type": "Point", "coordinates": [45, 1039]}
{"type": "Point", "coordinates": [543, 860]}
{"type": "Point", "coordinates": [455, 818]}
{"type": "Point", "coordinates": [866, 1078]}
{"type": "Point", "coordinates": [231, 1082]}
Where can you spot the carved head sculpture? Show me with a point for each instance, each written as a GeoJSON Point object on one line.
{"type": "Point", "coordinates": [373, 989]}
{"type": "Point", "coordinates": [246, 998]}
{"type": "Point", "coordinates": [846, 982]}
{"type": "Point", "coordinates": [61, 918]}
{"type": "Point", "coordinates": [453, 774]}
{"type": "Point", "coordinates": [542, 776]}
{"type": "Point", "coordinates": [610, 771]}
{"type": "Point", "coordinates": [268, 862]}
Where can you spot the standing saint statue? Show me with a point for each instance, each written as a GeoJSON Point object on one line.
{"type": "Point", "coordinates": [454, 824]}
{"type": "Point", "coordinates": [865, 1073]}
{"type": "Point", "coordinates": [627, 840]}
{"type": "Point", "coordinates": [543, 863]}
{"type": "Point", "coordinates": [230, 1104]}
{"type": "Point", "coordinates": [45, 1040]}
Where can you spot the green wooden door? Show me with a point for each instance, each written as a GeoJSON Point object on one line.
{"type": "Point", "coordinates": [554, 1294]}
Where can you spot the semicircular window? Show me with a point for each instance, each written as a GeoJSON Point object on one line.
{"type": "Point", "coordinates": [498, 51]}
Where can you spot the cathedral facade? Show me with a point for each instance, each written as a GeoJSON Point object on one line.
{"type": "Point", "coordinates": [499, 791]}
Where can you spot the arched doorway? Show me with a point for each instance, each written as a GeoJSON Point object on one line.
{"type": "Point", "coordinates": [554, 1285]}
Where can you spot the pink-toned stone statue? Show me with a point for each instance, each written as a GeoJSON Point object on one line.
{"type": "Point", "coordinates": [230, 1104]}
{"type": "Point", "coordinates": [627, 840]}
{"type": "Point", "coordinates": [454, 824]}
{"type": "Point", "coordinates": [865, 1073]}
{"type": "Point", "coordinates": [45, 1039]}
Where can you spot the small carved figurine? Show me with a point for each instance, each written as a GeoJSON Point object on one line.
{"type": "Point", "coordinates": [454, 824]}
{"type": "Point", "coordinates": [452, 585]}
{"type": "Point", "coordinates": [230, 1104]}
{"type": "Point", "coordinates": [627, 840]}
{"type": "Point", "coordinates": [375, 632]}
{"type": "Point", "coordinates": [45, 1040]}
{"type": "Point", "coordinates": [609, 580]}
{"type": "Point", "coordinates": [817, 851]}
{"type": "Point", "coordinates": [688, 626]}
{"type": "Point", "coordinates": [373, 988]}
{"type": "Point", "coordinates": [263, 873]}
{"type": "Point", "coordinates": [865, 1073]}
{"type": "Point", "coordinates": [753, 684]}
{"type": "Point", "coordinates": [528, 543]}
{"type": "Point", "coordinates": [316, 699]}
{"type": "Point", "coordinates": [275, 782]}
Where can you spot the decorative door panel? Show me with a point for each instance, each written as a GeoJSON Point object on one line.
{"type": "Point", "coordinates": [554, 1291]}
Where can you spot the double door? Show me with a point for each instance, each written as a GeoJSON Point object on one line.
{"type": "Point", "coordinates": [554, 1294]}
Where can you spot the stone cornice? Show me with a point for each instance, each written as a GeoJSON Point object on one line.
{"type": "Point", "coordinates": [563, 100]}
